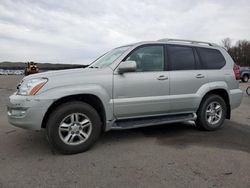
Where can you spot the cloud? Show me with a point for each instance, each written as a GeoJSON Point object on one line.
{"type": "Point", "coordinates": [78, 31]}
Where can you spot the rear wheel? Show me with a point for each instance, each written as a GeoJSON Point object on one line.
{"type": "Point", "coordinates": [73, 127]}
{"type": "Point", "coordinates": [211, 113]}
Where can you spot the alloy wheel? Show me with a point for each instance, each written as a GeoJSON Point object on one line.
{"type": "Point", "coordinates": [213, 113]}
{"type": "Point", "coordinates": [75, 129]}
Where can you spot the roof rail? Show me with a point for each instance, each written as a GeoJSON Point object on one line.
{"type": "Point", "coordinates": [188, 41]}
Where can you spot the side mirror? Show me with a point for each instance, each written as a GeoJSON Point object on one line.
{"type": "Point", "coordinates": [127, 66]}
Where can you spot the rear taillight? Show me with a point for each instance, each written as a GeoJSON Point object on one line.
{"type": "Point", "coordinates": [236, 72]}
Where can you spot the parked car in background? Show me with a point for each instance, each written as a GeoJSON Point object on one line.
{"type": "Point", "coordinates": [244, 74]}
{"type": "Point", "coordinates": [2, 72]}
{"type": "Point", "coordinates": [137, 85]}
{"type": "Point", "coordinates": [11, 72]}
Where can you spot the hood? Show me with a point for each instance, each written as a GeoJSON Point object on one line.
{"type": "Point", "coordinates": [74, 77]}
{"type": "Point", "coordinates": [65, 73]}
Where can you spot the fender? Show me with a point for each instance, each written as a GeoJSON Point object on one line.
{"type": "Point", "coordinates": [59, 92]}
{"type": "Point", "coordinates": [245, 72]}
{"type": "Point", "coordinates": [206, 88]}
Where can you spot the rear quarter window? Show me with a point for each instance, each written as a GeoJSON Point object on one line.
{"type": "Point", "coordinates": [211, 58]}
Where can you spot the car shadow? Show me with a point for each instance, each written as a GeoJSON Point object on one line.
{"type": "Point", "coordinates": [233, 136]}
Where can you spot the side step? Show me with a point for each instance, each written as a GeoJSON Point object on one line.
{"type": "Point", "coordinates": [149, 121]}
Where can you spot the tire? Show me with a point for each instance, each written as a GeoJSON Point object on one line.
{"type": "Point", "coordinates": [73, 127]}
{"type": "Point", "coordinates": [245, 78]}
{"type": "Point", "coordinates": [209, 117]}
{"type": "Point", "coordinates": [248, 90]}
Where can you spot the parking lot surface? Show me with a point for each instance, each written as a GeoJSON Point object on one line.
{"type": "Point", "coordinates": [173, 155]}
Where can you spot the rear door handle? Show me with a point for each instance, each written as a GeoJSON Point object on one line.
{"type": "Point", "coordinates": [162, 77]}
{"type": "Point", "coordinates": [199, 76]}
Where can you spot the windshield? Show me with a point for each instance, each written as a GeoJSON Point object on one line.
{"type": "Point", "coordinates": [108, 58]}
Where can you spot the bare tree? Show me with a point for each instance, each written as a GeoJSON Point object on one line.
{"type": "Point", "coordinates": [240, 52]}
{"type": "Point", "coordinates": [227, 43]}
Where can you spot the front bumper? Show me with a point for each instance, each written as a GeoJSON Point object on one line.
{"type": "Point", "coordinates": [27, 111]}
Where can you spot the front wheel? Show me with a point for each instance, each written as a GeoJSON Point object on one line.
{"type": "Point", "coordinates": [211, 113]}
{"type": "Point", "coordinates": [245, 78]}
{"type": "Point", "coordinates": [73, 127]}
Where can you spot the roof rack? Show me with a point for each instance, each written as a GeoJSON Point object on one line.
{"type": "Point", "coordinates": [188, 41]}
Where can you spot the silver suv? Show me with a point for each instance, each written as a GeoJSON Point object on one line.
{"type": "Point", "coordinates": [136, 85]}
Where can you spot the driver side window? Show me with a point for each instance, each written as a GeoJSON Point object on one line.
{"type": "Point", "coordinates": [148, 58]}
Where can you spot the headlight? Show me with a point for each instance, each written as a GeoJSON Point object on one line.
{"type": "Point", "coordinates": [31, 87]}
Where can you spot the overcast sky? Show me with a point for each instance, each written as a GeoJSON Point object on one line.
{"type": "Point", "coordinates": [73, 31]}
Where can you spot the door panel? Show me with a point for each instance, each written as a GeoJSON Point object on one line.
{"type": "Point", "coordinates": [144, 92]}
{"type": "Point", "coordinates": [141, 94]}
{"type": "Point", "coordinates": [185, 78]}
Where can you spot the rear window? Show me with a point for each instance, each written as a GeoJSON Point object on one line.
{"type": "Point", "coordinates": [211, 58]}
{"type": "Point", "coordinates": [181, 57]}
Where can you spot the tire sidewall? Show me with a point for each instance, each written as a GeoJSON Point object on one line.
{"type": "Point", "coordinates": [59, 114]}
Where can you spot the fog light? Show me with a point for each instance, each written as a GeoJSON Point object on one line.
{"type": "Point", "coordinates": [17, 113]}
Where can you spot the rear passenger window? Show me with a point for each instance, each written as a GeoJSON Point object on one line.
{"type": "Point", "coordinates": [181, 57]}
{"type": "Point", "coordinates": [211, 58]}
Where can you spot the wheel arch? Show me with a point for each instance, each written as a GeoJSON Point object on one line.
{"type": "Point", "coordinates": [245, 74]}
{"type": "Point", "coordinates": [222, 93]}
{"type": "Point", "coordinates": [90, 99]}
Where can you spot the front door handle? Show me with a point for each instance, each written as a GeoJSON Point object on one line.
{"type": "Point", "coordinates": [162, 77]}
{"type": "Point", "coordinates": [199, 76]}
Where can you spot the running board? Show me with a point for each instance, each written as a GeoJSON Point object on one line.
{"type": "Point", "coordinates": [149, 121]}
